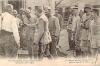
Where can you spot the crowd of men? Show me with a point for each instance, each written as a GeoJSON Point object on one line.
{"type": "Point", "coordinates": [39, 33]}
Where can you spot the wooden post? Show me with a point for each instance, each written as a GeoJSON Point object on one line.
{"type": "Point", "coordinates": [0, 7]}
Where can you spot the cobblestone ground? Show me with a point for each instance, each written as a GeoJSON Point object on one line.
{"type": "Point", "coordinates": [62, 47]}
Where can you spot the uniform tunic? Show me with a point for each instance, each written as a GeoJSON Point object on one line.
{"type": "Point", "coordinates": [42, 27]}
{"type": "Point", "coordinates": [86, 34]}
{"type": "Point", "coordinates": [95, 33]}
{"type": "Point", "coordinates": [60, 20]}
{"type": "Point", "coordinates": [28, 31]}
{"type": "Point", "coordinates": [98, 32]}
{"type": "Point", "coordinates": [54, 29]}
{"type": "Point", "coordinates": [73, 26]}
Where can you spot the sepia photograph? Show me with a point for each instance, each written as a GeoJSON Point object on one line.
{"type": "Point", "coordinates": [50, 32]}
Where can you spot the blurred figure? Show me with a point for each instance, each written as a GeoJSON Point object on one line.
{"type": "Point", "coordinates": [54, 28]}
{"type": "Point", "coordinates": [28, 32]}
{"type": "Point", "coordinates": [72, 24]}
{"type": "Point", "coordinates": [15, 13]}
{"type": "Point", "coordinates": [79, 28]}
{"type": "Point", "coordinates": [81, 13]}
{"type": "Point", "coordinates": [59, 17]}
{"type": "Point", "coordinates": [60, 10]}
{"type": "Point", "coordinates": [30, 8]}
{"type": "Point", "coordinates": [67, 13]}
{"type": "Point", "coordinates": [43, 35]}
{"type": "Point", "coordinates": [21, 25]}
{"type": "Point", "coordinates": [10, 39]}
{"type": "Point", "coordinates": [86, 31]}
{"type": "Point", "coordinates": [95, 32]}
{"type": "Point", "coordinates": [67, 19]}
{"type": "Point", "coordinates": [74, 21]}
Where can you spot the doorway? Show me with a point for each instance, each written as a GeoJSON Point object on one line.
{"type": "Point", "coordinates": [17, 4]}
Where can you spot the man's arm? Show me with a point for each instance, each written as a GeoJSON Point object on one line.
{"type": "Point", "coordinates": [15, 31]}
{"type": "Point", "coordinates": [40, 31]}
{"type": "Point", "coordinates": [57, 27]}
{"type": "Point", "coordinates": [62, 21]}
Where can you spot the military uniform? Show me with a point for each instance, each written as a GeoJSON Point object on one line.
{"type": "Point", "coordinates": [27, 33]}
{"type": "Point", "coordinates": [73, 23]}
{"type": "Point", "coordinates": [86, 32]}
{"type": "Point", "coordinates": [43, 43]}
{"type": "Point", "coordinates": [54, 29]}
{"type": "Point", "coordinates": [60, 20]}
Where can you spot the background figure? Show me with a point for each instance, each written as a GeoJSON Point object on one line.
{"type": "Point", "coordinates": [21, 24]}
{"type": "Point", "coordinates": [67, 13]}
{"type": "Point", "coordinates": [81, 13]}
{"type": "Point", "coordinates": [60, 17]}
{"type": "Point", "coordinates": [63, 43]}
{"type": "Point", "coordinates": [15, 13]}
{"type": "Point", "coordinates": [27, 33]}
{"type": "Point", "coordinates": [72, 27]}
{"type": "Point", "coordinates": [54, 29]}
{"type": "Point", "coordinates": [42, 29]}
{"type": "Point", "coordinates": [85, 36]}
{"type": "Point", "coordinates": [95, 32]}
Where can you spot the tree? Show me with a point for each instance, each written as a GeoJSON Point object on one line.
{"type": "Point", "coordinates": [56, 4]}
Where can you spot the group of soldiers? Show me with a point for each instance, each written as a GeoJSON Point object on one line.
{"type": "Point", "coordinates": [36, 33]}
{"type": "Point", "coordinates": [39, 32]}
{"type": "Point", "coordinates": [83, 30]}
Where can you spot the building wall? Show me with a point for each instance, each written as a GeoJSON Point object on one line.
{"type": "Point", "coordinates": [32, 3]}
{"type": "Point", "coordinates": [0, 7]}
{"type": "Point", "coordinates": [42, 3]}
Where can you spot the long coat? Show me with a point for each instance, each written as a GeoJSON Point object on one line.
{"type": "Point", "coordinates": [27, 32]}
{"type": "Point", "coordinates": [42, 27]}
{"type": "Point", "coordinates": [86, 32]}
{"type": "Point", "coordinates": [98, 32]}
{"type": "Point", "coordinates": [95, 33]}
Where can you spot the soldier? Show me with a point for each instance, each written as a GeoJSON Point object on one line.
{"type": "Point", "coordinates": [67, 13]}
{"type": "Point", "coordinates": [27, 33]}
{"type": "Point", "coordinates": [54, 29]}
{"type": "Point", "coordinates": [85, 36]}
{"type": "Point", "coordinates": [74, 20]}
{"type": "Point", "coordinates": [59, 17]}
{"type": "Point", "coordinates": [43, 35]}
{"type": "Point", "coordinates": [10, 39]}
{"type": "Point", "coordinates": [95, 32]}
